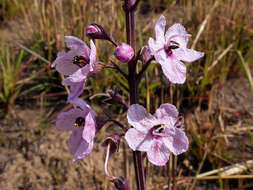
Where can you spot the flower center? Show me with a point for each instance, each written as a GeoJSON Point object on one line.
{"type": "Point", "coordinates": [80, 122]}
{"type": "Point", "coordinates": [170, 46]}
{"type": "Point", "coordinates": [80, 61]}
{"type": "Point", "coordinates": [157, 131]}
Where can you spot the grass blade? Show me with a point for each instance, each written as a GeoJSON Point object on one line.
{"type": "Point", "coordinates": [246, 69]}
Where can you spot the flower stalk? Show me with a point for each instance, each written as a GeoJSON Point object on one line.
{"type": "Point", "coordinates": [130, 8]}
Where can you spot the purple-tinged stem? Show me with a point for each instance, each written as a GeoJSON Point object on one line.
{"type": "Point", "coordinates": [133, 84]}
{"type": "Point", "coordinates": [135, 5]}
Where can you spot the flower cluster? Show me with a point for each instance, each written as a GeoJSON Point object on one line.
{"type": "Point", "coordinates": [157, 135]}
{"type": "Point", "coordinates": [77, 64]}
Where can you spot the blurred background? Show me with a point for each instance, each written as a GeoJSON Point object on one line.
{"type": "Point", "coordinates": [216, 99]}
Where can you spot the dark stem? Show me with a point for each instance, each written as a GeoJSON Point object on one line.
{"type": "Point", "coordinates": [113, 42]}
{"type": "Point", "coordinates": [134, 7]}
{"type": "Point", "coordinates": [133, 84]}
{"type": "Point", "coordinates": [126, 8]}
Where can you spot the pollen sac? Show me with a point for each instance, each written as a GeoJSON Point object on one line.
{"type": "Point", "coordinates": [170, 46]}
{"type": "Point", "coordinates": [158, 128]}
{"type": "Point", "coordinates": [80, 122]}
{"type": "Point", "coordinates": [80, 61]}
{"type": "Point", "coordinates": [173, 45]}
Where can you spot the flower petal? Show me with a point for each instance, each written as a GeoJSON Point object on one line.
{"type": "Point", "coordinates": [64, 63]}
{"type": "Point", "coordinates": [158, 154]}
{"type": "Point", "coordinates": [176, 33]}
{"type": "Point", "coordinates": [187, 55]}
{"type": "Point", "coordinates": [84, 149]}
{"type": "Point", "coordinates": [92, 55]}
{"type": "Point", "coordinates": [156, 47]}
{"type": "Point", "coordinates": [138, 140]}
{"type": "Point", "coordinates": [177, 142]}
{"type": "Point", "coordinates": [89, 128]}
{"type": "Point", "coordinates": [81, 103]}
{"type": "Point", "coordinates": [167, 114]}
{"type": "Point", "coordinates": [138, 117]}
{"type": "Point", "coordinates": [174, 70]}
{"type": "Point", "coordinates": [160, 28]}
{"type": "Point", "coordinates": [79, 76]}
{"type": "Point", "coordinates": [66, 120]}
{"type": "Point", "coordinates": [73, 42]}
{"type": "Point", "coordinates": [76, 89]}
{"type": "Point", "coordinates": [75, 140]}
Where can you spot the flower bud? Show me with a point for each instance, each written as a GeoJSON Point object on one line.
{"type": "Point", "coordinates": [114, 141]}
{"type": "Point", "coordinates": [145, 54]}
{"type": "Point", "coordinates": [124, 52]}
{"type": "Point", "coordinates": [120, 183]}
{"type": "Point", "coordinates": [96, 31]}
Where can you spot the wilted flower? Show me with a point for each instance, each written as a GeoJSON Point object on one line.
{"type": "Point", "coordinates": [82, 123]}
{"type": "Point", "coordinates": [114, 141]}
{"type": "Point", "coordinates": [170, 50]}
{"type": "Point", "coordinates": [78, 64]}
{"type": "Point", "coordinates": [156, 134]}
{"type": "Point", "coordinates": [124, 52]}
{"type": "Point", "coordinates": [111, 144]}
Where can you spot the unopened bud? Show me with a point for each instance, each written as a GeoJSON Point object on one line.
{"type": "Point", "coordinates": [124, 53]}
{"type": "Point", "coordinates": [145, 54]}
{"type": "Point", "coordinates": [114, 141]}
{"type": "Point", "coordinates": [120, 183]}
{"type": "Point", "coordinates": [96, 31]}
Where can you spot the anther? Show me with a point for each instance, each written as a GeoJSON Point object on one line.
{"type": "Point", "coordinates": [159, 128]}
{"type": "Point", "coordinates": [80, 61]}
{"type": "Point", "coordinates": [173, 45]}
{"type": "Point", "coordinates": [80, 122]}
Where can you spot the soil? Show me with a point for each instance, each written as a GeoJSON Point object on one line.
{"type": "Point", "coordinates": [33, 157]}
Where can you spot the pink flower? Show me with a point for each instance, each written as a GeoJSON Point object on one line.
{"type": "Point", "coordinates": [82, 123]}
{"type": "Point", "coordinates": [78, 64]}
{"type": "Point", "coordinates": [124, 52]}
{"type": "Point", "coordinates": [170, 50]}
{"type": "Point", "coordinates": [157, 134]}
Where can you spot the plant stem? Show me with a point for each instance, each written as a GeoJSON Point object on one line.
{"type": "Point", "coordinates": [133, 85]}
